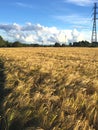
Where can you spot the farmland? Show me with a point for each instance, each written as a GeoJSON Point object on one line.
{"type": "Point", "coordinates": [49, 88]}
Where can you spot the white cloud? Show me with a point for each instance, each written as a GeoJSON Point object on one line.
{"type": "Point", "coordinates": [36, 33]}
{"type": "Point", "coordinates": [24, 5]}
{"type": "Point", "coordinates": [81, 2]}
{"type": "Point", "coordinates": [74, 19]}
{"type": "Point", "coordinates": [9, 27]}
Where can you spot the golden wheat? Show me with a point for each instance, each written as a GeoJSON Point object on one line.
{"type": "Point", "coordinates": [50, 88]}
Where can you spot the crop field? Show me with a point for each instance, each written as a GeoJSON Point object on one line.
{"type": "Point", "coordinates": [49, 88]}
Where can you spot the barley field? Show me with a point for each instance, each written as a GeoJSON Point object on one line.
{"type": "Point", "coordinates": [49, 88]}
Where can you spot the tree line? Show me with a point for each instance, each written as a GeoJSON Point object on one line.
{"type": "Point", "coordinates": [4, 43]}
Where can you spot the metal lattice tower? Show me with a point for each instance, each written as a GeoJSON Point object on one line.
{"type": "Point", "coordinates": [94, 31]}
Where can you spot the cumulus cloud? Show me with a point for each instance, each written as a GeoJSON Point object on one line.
{"type": "Point", "coordinates": [36, 33]}
{"type": "Point", "coordinates": [9, 27]}
{"type": "Point", "coordinates": [31, 27]}
{"type": "Point", "coordinates": [81, 2]}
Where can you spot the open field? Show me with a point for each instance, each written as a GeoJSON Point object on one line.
{"type": "Point", "coordinates": [49, 88]}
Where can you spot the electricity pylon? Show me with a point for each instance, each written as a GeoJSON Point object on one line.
{"type": "Point", "coordinates": [94, 30]}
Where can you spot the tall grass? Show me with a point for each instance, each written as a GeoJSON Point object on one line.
{"type": "Point", "coordinates": [50, 88]}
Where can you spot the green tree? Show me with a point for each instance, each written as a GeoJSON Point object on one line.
{"type": "Point", "coordinates": [57, 44]}
{"type": "Point", "coordinates": [2, 42]}
{"type": "Point", "coordinates": [17, 44]}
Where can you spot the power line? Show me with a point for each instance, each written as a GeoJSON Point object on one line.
{"type": "Point", "coordinates": [94, 30]}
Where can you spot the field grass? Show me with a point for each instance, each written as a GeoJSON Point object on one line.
{"type": "Point", "coordinates": [49, 88]}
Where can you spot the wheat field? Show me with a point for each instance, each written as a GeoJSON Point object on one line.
{"type": "Point", "coordinates": [49, 88]}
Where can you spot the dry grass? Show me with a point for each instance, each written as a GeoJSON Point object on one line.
{"type": "Point", "coordinates": [50, 88]}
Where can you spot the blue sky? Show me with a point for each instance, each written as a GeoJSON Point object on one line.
{"type": "Point", "coordinates": [46, 21]}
